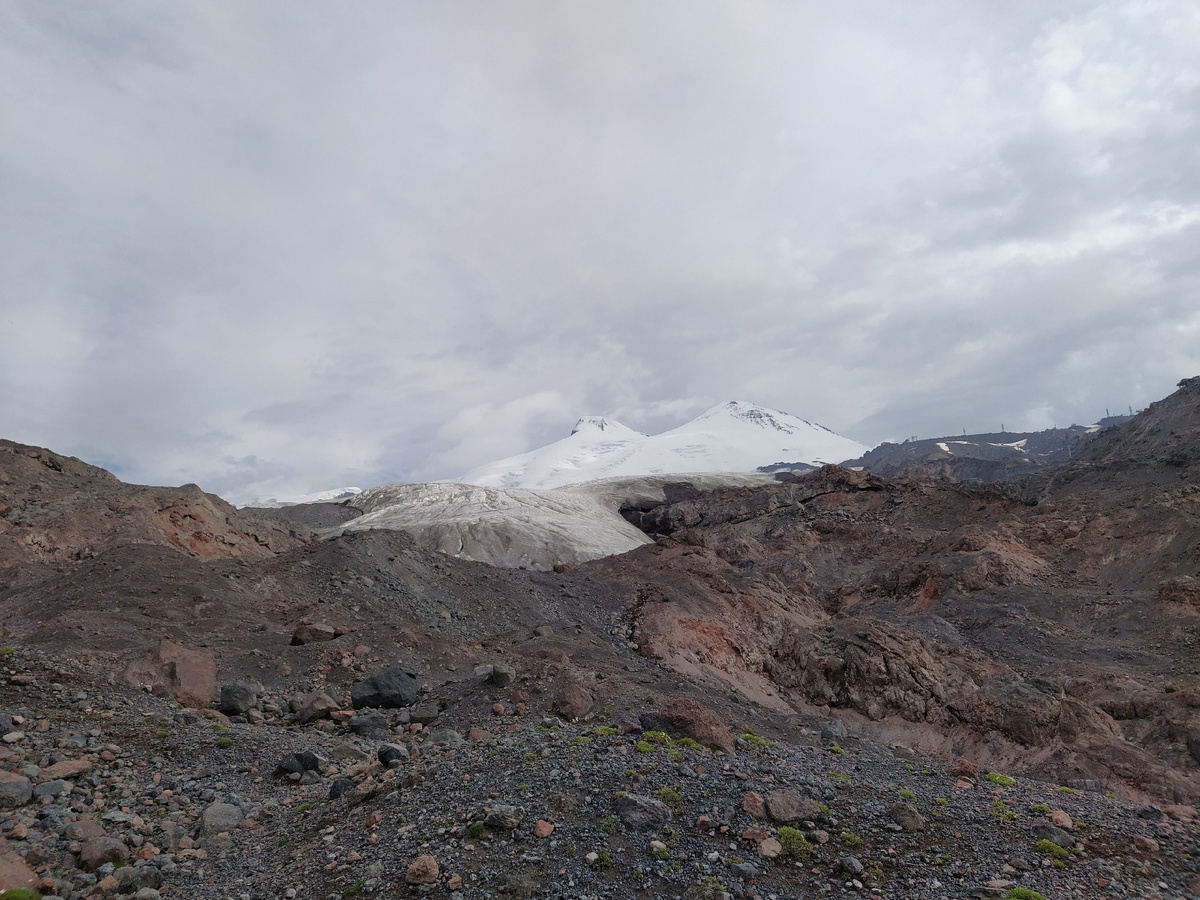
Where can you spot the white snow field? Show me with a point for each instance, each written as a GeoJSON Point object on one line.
{"type": "Point", "coordinates": [730, 437]}
{"type": "Point", "coordinates": [511, 527]}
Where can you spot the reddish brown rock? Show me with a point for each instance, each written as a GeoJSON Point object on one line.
{"type": "Point", "coordinates": [787, 806]}
{"type": "Point", "coordinates": [1146, 845]}
{"type": "Point", "coordinates": [1061, 819]}
{"type": "Point", "coordinates": [82, 830]}
{"type": "Point", "coordinates": [423, 871]}
{"type": "Point", "coordinates": [906, 816]}
{"type": "Point", "coordinates": [316, 705]}
{"type": "Point", "coordinates": [188, 675]}
{"type": "Point", "coordinates": [13, 871]}
{"type": "Point", "coordinates": [573, 702]}
{"type": "Point", "coordinates": [100, 850]}
{"type": "Point", "coordinates": [684, 717]}
{"type": "Point", "coordinates": [68, 768]}
{"type": "Point", "coordinates": [770, 848]}
{"type": "Point", "coordinates": [543, 829]}
{"type": "Point", "coordinates": [753, 804]}
{"type": "Point", "coordinates": [306, 633]}
{"type": "Point", "coordinates": [964, 768]}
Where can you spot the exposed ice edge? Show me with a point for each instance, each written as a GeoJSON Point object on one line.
{"type": "Point", "coordinates": [511, 527]}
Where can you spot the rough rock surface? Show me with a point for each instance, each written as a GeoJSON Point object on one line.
{"type": "Point", "coordinates": [988, 656]}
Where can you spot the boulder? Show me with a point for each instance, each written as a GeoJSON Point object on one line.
{"type": "Point", "coordinates": [392, 688]}
{"type": "Point", "coordinates": [306, 633]}
{"type": "Point", "coordinates": [15, 790]}
{"type": "Point", "coordinates": [97, 851]}
{"type": "Point", "coordinates": [906, 816]}
{"type": "Point", "coordinates": [684, 717]}
{"type": "Point", "coordinates": [67, 768]}
{"type": "Point", "coordinates": [785, 806]}
{"type": "Point", "coordinates": [190, 676]}
{"type": "Point", "coordinates": [217, 818]}
{"type": "Point", "coordinates": [423, 871]}
{"type": "Point", "coordinates": [638, 813]}
{"type": "Point", "coordinates": [131, 879]}
{"type": "Point", "coordinates": [392, 755]}
{"type": "Point", "coordinates": [372, 725]}
{"type": "Point", "coordinates": [237, 699]}
{"type": "Point", "coordinates": [316, 705]}
{"type": "Point", "coordinates": [753, 804]}
{"type": "Point", "coordinates": [341, 787]}
{"type": "Point", "coordinates": [1044, 832]}
{"type": "Point", "coordinates": [502, 675]}
{"type": "Point", "coordinates": [504, 816]}
{"type": "Point", "coordinates": [573, 702]}
{"type": "Point", "coordinates": [14, 873]}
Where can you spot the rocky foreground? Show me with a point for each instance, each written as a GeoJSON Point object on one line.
{"type": "Point", "coordinates": [834, 684]}
{"type": "Point", "coordinates": [469, 790]}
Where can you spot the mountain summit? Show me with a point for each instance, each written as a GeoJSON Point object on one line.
{"type": "Point", "coordinates": [731, 437]}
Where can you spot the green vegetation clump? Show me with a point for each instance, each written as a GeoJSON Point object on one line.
{"type": "Point", "coordinates": [688, 743]}
{"type": "Point", "coordinates": [840, 751]}
{"type": "Point", "coordinates": [1002, 780]}
{"type": "Point", "coordinates": [850, 839]}
{"type": "Point", "coordinates": [644, 747]}
{"type": "Point", "coordinates": [355, 889]}
{"type": "Point", "coordinates": [656, 737]}
{"type": "Point", "coordinates": [672, 798]}
{"type": "Point", "coordinates": [839, 776]}
{"type": "Point", "coordinates": [907, 794]}
{"type": "Point", "coordinates": [1041, 808]}
{"type": "Point", "coordinates": [1067, 790]}
{"type": "Point", "coordinates": [1051, 849]}
{"type": "Point", "coordinates": [475, 830]}
{"type": "Point", "coordinates": [603, 860]}
{"type": "Point", "coordinates": [304, 807]}
{"type": "Point", "coordinates": [1002, 811]}
{"type": "Point", "coordinates": [794, 843]}
{"type": "Point", "coordinates": [1020, 893]}
{"type": "Point", "coordinates": [19, 893]}
{"type": "Point", "coordinates": [753, 739]}
{"type": "Point", "coordinates": [225, 743]}
{"type": "Point", "coordinates": [609, 825]}
{"type": "Point", "coordinates": [605, 731]}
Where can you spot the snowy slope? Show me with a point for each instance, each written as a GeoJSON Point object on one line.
{"type": "Point", "coordinates": [517, 527]}
{"type": "Point", "coordinates": [730, 437]}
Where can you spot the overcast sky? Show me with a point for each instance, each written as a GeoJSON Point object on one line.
{"type": "Point", "coordinates": [275, 247]}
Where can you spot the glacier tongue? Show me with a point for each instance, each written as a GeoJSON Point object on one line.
{"type": "Point", "coordinates": [730, 437]}
{"type": "Point", "coordinates": [512, 527]}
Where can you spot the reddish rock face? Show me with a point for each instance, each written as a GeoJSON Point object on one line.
{"type": "Point", "coordinates": [189, 675]}
{"type": "Point", "coordinates": [684, 717]}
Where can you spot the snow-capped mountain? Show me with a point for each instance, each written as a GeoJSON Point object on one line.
{"type": "Point", "coordinates": [730, 437]}
{"type": "Point", "coordinates": [336, 495]}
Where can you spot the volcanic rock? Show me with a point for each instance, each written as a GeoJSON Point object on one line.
{"type": "Point", "coordinates": [390, 689]}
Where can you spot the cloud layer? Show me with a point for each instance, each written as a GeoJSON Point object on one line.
{"type": "Point", "coordinates": [273, 247]}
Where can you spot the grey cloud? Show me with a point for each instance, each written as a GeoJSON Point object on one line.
{"type": "Point", "coordinates": [275, 248]}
